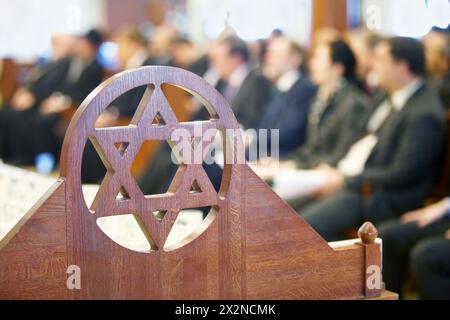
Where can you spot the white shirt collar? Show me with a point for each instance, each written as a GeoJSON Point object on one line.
{"type": "Point", "coordinates": [238, 76]}
{"type": "Point", "coordinates": [401, 97]}
{"type": "Point", "coordinates": [287, 80]}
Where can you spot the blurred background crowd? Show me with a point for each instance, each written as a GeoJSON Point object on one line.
{"type": "Point", "coordinates": [360, 90]}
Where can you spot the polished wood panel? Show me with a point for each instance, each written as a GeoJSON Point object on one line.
{"type": "Point", "coordinates": [251, 245]}
{"type": "Point", "coordinates": [330, 14]}
{"type": "Point", "coordinates": [33, 256]}
{"type": "Point", "coordinates": [8, 80]}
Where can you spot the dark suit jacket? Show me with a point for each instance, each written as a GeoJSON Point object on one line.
{"type": "Point", "coordinates": [127, 103]}
{"type": "Point", "coordinates": [443, 88]}
{"type": "Point", "coordinates": [48, 79]}
{"type": "Point", "coordinates": [288, 112]}
{"type": "Point", "coordinates": [89, 79]}
{"type": "Point", "coordinates": [250, 102]}
{"type": "Point", "coordinates": [404, 163]}
{"type": "Point", "coordinates": [200, 66]}
{"type": "Point", "coordinates": [329, 141]}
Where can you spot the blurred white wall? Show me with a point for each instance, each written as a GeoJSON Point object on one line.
{"type": "Point", "coordinates": [413, 18]}
{"type": "Point", "coordinates": [251, 19]}
{"type": "Point", "coordinates": [26, 25]}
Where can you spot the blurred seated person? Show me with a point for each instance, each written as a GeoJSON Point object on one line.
{"type": "Point", "coordinates": [258, 51]}
{"type": "Point", "coordinates": [132, 53]}
{"type": "Point", "coordinates": [437, 54]}
{"type": "Point", "coordinates": [33, 117]}
{"type": "Point", "coordinates": [288, 107]}
{"type": "Point", "coordinates": [420, 240]}
{"type": "Point", "coordinates": [17, 118]}
{"type": "Point", "coordinates": [392, 167]}
{"type": "Point", "coordinates": [245, 89]}
{"type": "Point", "coordinates": [132, 49]}
{"type": "Point", "coordinates": [161, 40]}
{"type": "Point", "coordinates": [82, 74]}
{"type": "Point", "coordinates": [363, 42]}
{"type": "Point", "coordinates": [183, 53]}
{"type": "Point", "coordinates": [204, 68]}
{"type": "Point", "coordinates": [337, 108]}
{"type": "Point", "coordinates": [200, 66]}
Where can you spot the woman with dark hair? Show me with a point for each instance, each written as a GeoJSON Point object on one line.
{"type": "Point", "coordinates": [338, 105]}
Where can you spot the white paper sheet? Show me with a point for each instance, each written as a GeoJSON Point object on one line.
{"type": "Point", "coordinates": [19, 191]}
{"type": "Point", "coordinates": [292, 184]}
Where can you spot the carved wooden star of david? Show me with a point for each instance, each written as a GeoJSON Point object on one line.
{"type": "Point", "coordinates": [119, 192]}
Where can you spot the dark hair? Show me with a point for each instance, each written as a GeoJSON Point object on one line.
{"type": "Point", "coordinates": [277, 33]}
{"type": "Point", "coordinates": [237, 47]}
{"type": "Point", "coordinates": [410, 51]}
{"type": "Point", "coordinates": [342, 54]}
{"type": "Point", "coordinates": [95, 37]}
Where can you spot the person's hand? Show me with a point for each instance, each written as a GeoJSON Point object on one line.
{"type": "Point", "coordinates": [56, 103]}
{"type": "Point", "coordinates": [425, 216]}
{"type": "Point", "coordinates": [334, 182]}
{"type": "Point", "coordinates": [264, 168]}
{"type": "Point", "coordinates": [22, 100]}
{"type": "Point", "coordinates": [288, 165]}
{"type": "Point", "coordinates": [267, 168]}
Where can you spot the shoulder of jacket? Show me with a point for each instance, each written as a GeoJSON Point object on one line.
{"type": "Point", "coordinates": [355, 98]}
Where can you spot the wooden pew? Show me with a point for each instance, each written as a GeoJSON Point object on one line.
{"type": "Point", "coordinates": [8, 80]}
{"type": "Point", "coordinates": [251, 245]}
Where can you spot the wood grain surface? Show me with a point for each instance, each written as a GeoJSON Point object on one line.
{"type": "Point", "coordinates": [251, 245]}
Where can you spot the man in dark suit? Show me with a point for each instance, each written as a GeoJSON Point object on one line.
{"type": "Point", "coordinates": [17, 117]}
{"type": "Point", "coordinates": [245, 89]}
{"type": "Point", "coordinates": [132, 53]}
{"type": "Point", "coordinates": [82, 74]}
{"type": "Point", "coordinates": [391, 168]}
{"type": "Point", "coordinates": [419, 239]}
{"type": "Point", "coordinates": [287, 109]}
{"type": "Point", "coordinates": [34, 115]}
